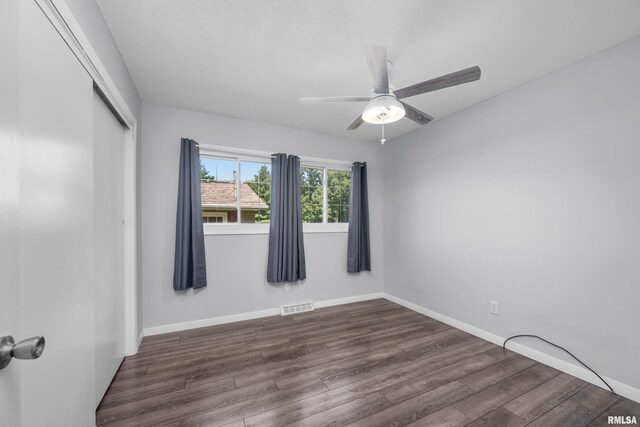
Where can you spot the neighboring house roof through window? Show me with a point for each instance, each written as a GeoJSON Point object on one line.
{"type": "Point", "coordinates": [223, 195]}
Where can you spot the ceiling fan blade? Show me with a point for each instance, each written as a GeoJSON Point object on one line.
{"type": "Point", "coordinates": [312, 100]}
{"type": "Point", "coordinates": [416, 115]}
{"type": "Point", "coordinates": [459, 77]}
{"type": "Point", "coordinates": [355, 124]}
{"type": "Point", "coordinates": [376, 59]}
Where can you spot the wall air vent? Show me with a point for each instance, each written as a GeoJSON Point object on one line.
{"type": "Point", "coordinates": [286, 310]}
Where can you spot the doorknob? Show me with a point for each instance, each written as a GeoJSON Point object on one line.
{"type": "Point", "coordinates": [30, 348]}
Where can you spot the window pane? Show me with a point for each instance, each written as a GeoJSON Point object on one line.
{"type": "Point", "coordinates": [338, 195]}
{"type": "Point", "coordinates": [311, 194]}
{"type": "Point", "coordinates": [218, 190]}
{"type": "Point", "coordinates": [255, 193]}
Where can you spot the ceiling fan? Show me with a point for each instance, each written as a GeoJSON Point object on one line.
{"type": "Point", "coordinates": [384, 105]}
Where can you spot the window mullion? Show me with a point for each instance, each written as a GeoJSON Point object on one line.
{"type": "Point", "coordinates": [238, 183]}
{"type": "Point", "coordinates": [325, 197]}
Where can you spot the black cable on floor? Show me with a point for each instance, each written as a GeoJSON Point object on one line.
{"type": "Point", "coordinates": [563, 349]}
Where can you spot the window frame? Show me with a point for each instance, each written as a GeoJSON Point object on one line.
{"type": "Point", "coordinates": [246, 155]}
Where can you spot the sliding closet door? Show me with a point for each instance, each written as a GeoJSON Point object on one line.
{"type": "Point", "coordinates": [9, 205]}
{"type": "Point", "coordinates": [55, 214]}
{"type": "Point", "coordinates": [108, 152]}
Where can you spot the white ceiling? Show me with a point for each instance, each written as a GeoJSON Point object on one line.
{"type": "Point", "coordinates": [254, 59]}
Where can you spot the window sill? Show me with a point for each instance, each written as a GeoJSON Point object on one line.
{"type": "Point", "coordinates": [233, 229]}
{"type": "Point", "coordinates": [341, 227]}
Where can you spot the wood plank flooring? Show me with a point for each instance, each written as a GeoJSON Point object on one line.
{"type": "Point", "coordinates": [371, 363]}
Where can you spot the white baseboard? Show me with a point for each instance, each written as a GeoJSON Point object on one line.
{"type": "Point", "coordinates": [559, 364]}
{"type": "Point", "coordinates": [193, 324]}
{"type": "Point", "coordinates": [140, 340]}
{"type": "Point", "coordinates": [347, 300]}
{"type": "Point", "coordinates": [134, 349]}
{"type": "Point", "coordinates": [201, 323]}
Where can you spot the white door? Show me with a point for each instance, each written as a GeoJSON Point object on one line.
{"type": "Point", "coordinates": [9, 205]}
{"type": "Point", "coordinates": [108, 154]}
{"type": "Point", "coordinates": [48, 221]}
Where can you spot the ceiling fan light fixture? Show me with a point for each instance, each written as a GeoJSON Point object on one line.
{"type": "Point", "coordinates": [383, 109]}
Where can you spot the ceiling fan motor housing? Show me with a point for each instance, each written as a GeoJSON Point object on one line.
{"type": "Point", "coordinates": [384, 108]}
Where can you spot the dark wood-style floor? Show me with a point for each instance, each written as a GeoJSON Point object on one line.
{"type": "Point", "coordinates": [371, 363]}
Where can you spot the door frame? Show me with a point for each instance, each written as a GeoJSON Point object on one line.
{"type": "Point", "coordinates": [62, 19]}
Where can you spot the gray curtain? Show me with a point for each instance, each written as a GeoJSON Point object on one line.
{"type": "Point", "coordinates": [286, 261]}
{"type": "Point", "coordinates": [358, 250]}
{"type": "Point", "coordinates": [189, 266]}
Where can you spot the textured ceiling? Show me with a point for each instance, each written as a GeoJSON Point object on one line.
{"type": "Point", "coordinates": [254, 59]}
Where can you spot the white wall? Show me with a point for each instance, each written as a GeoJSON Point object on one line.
{"type": "Point", "coordinates": [532, 199]}
{"type": "Point", "coordinates": [236, 264]}
{"type": "Point", "coordinates": [90, 18]}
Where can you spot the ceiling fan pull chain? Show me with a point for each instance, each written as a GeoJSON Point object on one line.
{"type": "Point", "coordinates": [382, 141]}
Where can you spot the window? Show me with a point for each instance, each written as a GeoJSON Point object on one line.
{"type": "Point", "coordinates": [338, 195]}
{"type": "Point", "coordinates": [236, 189]}
{"type": "Point", "coordinates": [218, 189]}
{"type": "Point", "coordinates": [214, 217]}
{"type": "Point", "coordinates": [325, 195]}
{"type": "Point", "coordinates": [223, 201]}
{"type": "Point", "coordinates": [312, 194]}
{"type": "Point", "coordinates": [255, 193]}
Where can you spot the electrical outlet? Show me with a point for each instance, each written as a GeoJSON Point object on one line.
{"type": "Point", "coordinates": [493, 307]}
